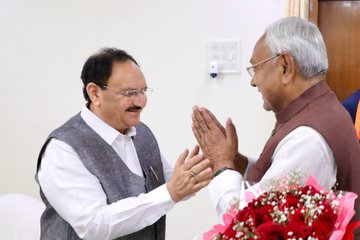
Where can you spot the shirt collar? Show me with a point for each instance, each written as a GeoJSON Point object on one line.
{"type": "Point", "coordinates": [108, 133]}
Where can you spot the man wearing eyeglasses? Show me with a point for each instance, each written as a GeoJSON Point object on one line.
{"type": "Point", "coordinates": [101, 174]}
{"type": "Point", "coordinates": [313, 131]}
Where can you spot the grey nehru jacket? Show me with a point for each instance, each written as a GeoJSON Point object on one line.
{"type": "Point", "coordinates": [115, 177]}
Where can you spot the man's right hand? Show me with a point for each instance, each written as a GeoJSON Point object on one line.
{"type": "Point", "coordinates": [218, 144]}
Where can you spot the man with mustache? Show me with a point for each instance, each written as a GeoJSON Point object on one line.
{"type": "Point", "coordinates": [101, 174]}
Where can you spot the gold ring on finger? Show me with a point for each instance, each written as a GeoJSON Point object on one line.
{"type": "Point", "coordinates": [192, 174]}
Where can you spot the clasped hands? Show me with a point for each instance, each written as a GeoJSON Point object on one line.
{"type": "Point", "coordinates": [219, 146]}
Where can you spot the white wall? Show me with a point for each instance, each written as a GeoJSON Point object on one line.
{"type": "Point", "coordinates": [43, 45]}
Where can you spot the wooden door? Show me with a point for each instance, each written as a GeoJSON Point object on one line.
{"type": "Point", "coordinates": [339, 22]}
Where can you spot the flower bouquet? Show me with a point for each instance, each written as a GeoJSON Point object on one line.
{"type": "Point", "coordinates": [288, 209]}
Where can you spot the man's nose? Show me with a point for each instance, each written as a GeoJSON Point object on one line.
{"type": "Point", "coordinates": [252, 82]}
{"type": "Point", "coordinates": [140, 99]}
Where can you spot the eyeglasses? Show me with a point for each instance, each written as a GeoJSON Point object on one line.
{"type": "Point", "coordinates": [131, 93]}
{"type": "Point", "coordinates": [251, 69]}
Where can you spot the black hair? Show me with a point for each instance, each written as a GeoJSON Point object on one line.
{"type": "Point", "coordinates": [98, 67]}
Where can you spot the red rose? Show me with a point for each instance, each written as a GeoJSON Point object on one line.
{"type": "Point", "coordinates": [321, 230]}
{"type": "Point", "coordinates": [297, 216]}
{"type": "Point", "coordinates": [262, 214]}
{"type": "Point", "coordinates": [324, 223]}
{"type": "Point", "coordinates": [298, 229]}
{"type": "Point", "coordinates": [229, 231]}
{"type": "Point", "coordinates": [327, 215]}
{"type": "Point", "coordinates": [292, 201]}
{"type": "Point", "coordinates": [244, 214]}
{"type": "Point", "coordinates": [309, 190]}
{"type": "Point", "coordinates": [271, 231]}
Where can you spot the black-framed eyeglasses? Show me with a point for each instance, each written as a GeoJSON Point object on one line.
{"type": "Point", "coordinates": [131, 93]}
{"type": "Point", "coordinates": [251, 69]}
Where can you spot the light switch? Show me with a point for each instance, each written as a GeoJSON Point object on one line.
{"type": "Point", "coordinates": [227, 54]}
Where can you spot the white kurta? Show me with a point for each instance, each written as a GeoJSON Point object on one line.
{"type": "Point", "coordinates": [78, 197]}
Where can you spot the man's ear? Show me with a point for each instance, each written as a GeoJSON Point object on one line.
{"type": "Point", "coordinates": [93, 91]}
{"type": "Point", "coordinates": [289, 68]}
{"type": "Point", "coordinates": [284, 69]}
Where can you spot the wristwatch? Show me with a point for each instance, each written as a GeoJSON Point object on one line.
{"type": "Point", "coordinates": [222, 170]}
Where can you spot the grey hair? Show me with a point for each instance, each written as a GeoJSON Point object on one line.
{"type": "Point", "coordinates": [302, 40]}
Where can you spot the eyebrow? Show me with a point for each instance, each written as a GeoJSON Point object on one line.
{"type": "Point", "coordinates": [133, 88]}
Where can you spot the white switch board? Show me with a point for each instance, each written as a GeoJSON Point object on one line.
{"type": "Point", "coordinates": [227, 54]}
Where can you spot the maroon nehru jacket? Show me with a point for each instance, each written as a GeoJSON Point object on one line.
{"type": "Point", "coordinates": [318, 108]}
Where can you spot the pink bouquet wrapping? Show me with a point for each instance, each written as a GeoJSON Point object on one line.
{"type": "Point", "coordinates": [292, 206]}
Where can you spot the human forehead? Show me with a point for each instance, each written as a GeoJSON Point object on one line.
{"type": "Point", "coordinates": [126, 74]}
{"type": "Point", "coordinates": [260, 51]}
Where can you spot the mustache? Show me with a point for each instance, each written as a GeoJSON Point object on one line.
{"type": "Point", "coordinates": [134, 109]}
